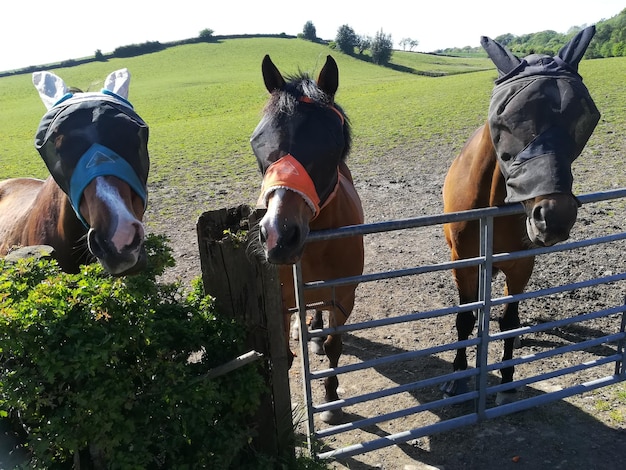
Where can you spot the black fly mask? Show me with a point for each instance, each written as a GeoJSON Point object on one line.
{"type": "Point", "coordinates": [300, 141]}
{"type": "Point", "coordinates": [87, 135]}
{"type": "Point", "coordinates": [540, 117]}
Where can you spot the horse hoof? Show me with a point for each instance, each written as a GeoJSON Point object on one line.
{"type": "Point", "coordinates": [455, 387]}
{"type": "Point", "coordinates": [504, 398]}
{"type": "Point", "coordinates": [317, 346]}
{"type": "Point", "coordinates": [332, 416]}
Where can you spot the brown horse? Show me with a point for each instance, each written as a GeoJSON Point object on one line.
{"type": "Point", "coordinates": [540, 118]}
{"type": "Point", "coordinates": [91, 206]}
{"type": "Point", "coordinates": [301, 145]}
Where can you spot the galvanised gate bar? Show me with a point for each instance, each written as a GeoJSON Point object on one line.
{"type": "Point", "coordinates": [615, 340]}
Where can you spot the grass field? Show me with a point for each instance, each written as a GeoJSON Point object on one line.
{"type": "Point", "coordinates": [203, 101]}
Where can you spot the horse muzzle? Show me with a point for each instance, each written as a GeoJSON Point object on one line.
{"type": "Point", "coordinates": [284, 227]}
{"type": "Point", "coordinates": [127, 258]}
{"type": "Point", "coordinates": [549, 219]}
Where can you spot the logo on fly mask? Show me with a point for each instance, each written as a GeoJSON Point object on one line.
{"type": "Point", "coordinates": [74, 171]}
{"type": "Point", "coordinates": [540, 118]}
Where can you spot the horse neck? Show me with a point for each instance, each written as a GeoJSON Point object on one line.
{"type": "Point", "coordinates": [53, 222]}
{"type": "Point", "coordinates": [344, 208]}
{"type": "Point", "coordinates": [484, 169]}
{"type": "Point", "coordinates": [345, 171]}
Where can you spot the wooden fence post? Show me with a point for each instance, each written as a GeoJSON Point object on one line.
{"type": "Point", "coordinates": [249, 290]}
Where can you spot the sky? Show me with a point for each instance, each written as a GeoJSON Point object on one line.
{"type": "Point", "coordinates": [39, 32]}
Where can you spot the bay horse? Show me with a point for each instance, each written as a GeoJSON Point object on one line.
{"type": "Point", "coordinates": [301, 145]}
{"type": "Point", "coordinates": [91, 206]}
{"type": "Point", "coordinates": [540, 118]}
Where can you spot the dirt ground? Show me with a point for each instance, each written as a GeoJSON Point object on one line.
{"type": "Point", "coordinates": [587, 431]}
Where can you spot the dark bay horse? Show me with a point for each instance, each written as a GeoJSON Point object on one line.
{"type": "Point", "coordinates": [92, 204]}
{"type": "Point", "coordinates": [301, 145]}
{"type": "Point", "coordinates": [540, 118]}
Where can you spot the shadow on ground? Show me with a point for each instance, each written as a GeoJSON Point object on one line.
{"type": "Point", "coordinates": [554, 436]}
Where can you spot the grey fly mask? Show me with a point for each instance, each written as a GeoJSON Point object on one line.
{"type": "Point", "coordinates": [540, 117]}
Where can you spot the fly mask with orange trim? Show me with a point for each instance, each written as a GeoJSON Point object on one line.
{"type": "Point", "coordinates": [299, 144]}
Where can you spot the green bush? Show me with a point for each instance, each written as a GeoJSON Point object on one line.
{"type": "Point", "coordinates": [97, 369]}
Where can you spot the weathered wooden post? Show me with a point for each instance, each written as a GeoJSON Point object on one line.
{"type": "Point", "coordinates": [250, 291]}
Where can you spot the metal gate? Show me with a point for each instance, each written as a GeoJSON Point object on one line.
{"type": "Point", "coordinates": [480, 410]}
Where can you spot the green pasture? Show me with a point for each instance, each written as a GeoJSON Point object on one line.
{"type": "Point", "coordinates": [203, 101]}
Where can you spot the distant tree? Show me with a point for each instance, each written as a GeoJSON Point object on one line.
{"type": "Point", "coordinates": [606, 50]}
{"type": "Point", "coordinates": [346, 39]}
{"type": "Point", "coordinates": [133, 50]}
{"type": "Point", "coordinates": [382, 48]}
{"type": "Point", "coordinates": [308, 32]}
{"type": "Point", "coordinates": [505, 39]}
{"type": "Point", "coordinates": [573, 30]}
{"type": "Point", "coordinates": [363, 43]}
{"type": "Point", "coordinates": [408, 42]}
{"type": "Point", "coordinates": [206, 34]}
{"type": "Point", "coordinates": [99, 55]}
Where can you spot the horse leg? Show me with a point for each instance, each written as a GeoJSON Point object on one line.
{"type": "Point", "coordinates": [333, 347]}
{"type": "Point", "coordinates": [465, 322]}
{"type": "Point", "coordinates": [508, 321]}
{"type": "Point", "coordinates": [317, 343]}
{"type": "Point", "coordinates": [467, 283]}
{"type": "Point", "coordinates": [516, 280]}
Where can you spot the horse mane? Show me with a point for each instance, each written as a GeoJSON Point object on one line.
{"type": "Point", "coordinates": [301, 85]}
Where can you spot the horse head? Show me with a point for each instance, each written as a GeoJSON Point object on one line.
{"type": "Point", "coordinates": [96, 149]}
{"type": "Point", "coordinates": [540, 118]}
{"type": "Point", "coordinates": [299, 144]}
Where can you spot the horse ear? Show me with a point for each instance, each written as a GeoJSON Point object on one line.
{"type": "Point", "coordinates": [271, 76]}
{"type": "Point", "coordinates": [328, 79]}
{"type": "Point", "coordinates": [50, 87]}
{"type": "Point", "coordinates": [118, 82]}
{"type": "Point", "coordinates": [504, 59]}
{"type": "Point", "coordinates": [573, 51]}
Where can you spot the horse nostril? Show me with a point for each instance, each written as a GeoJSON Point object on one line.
{"type": "Point", "coordinates": [291, 235]}
{"type": "Point", "coordinates": [138, 238]}
{"type": "Point", "coordinates": [95, 247]}
{"type": "Point", "coordinates": [263, 235]}
{"type": "Point", "coordinates": [539, 216]}
{"type": "Point", "coordinates": [136, 243]}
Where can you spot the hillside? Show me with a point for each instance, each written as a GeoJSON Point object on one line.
{"type": "Point", "coordinates": [207, 113]}
{"type": "Point", "coordinates": [202, 102]}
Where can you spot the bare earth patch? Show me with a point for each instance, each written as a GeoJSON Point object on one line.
{"type": "Point", "coordinates": [582, 432]}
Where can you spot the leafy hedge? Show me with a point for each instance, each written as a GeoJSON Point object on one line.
{"type": "Point", "coordinates": [96, 369]}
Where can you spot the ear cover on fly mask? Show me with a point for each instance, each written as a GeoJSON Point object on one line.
{"type": "Point", "coordinates": [74, 171]}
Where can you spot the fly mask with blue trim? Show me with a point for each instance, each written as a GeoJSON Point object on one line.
{"type": "Point", "coordinates": [541, 116]}
{"type": "Point", "coordinates": [86, 135]}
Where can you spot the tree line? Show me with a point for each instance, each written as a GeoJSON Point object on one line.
{"type": "Point", "coordinates": [347, 41]}
{"type": "Point", "coordinates": [609, 41]}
